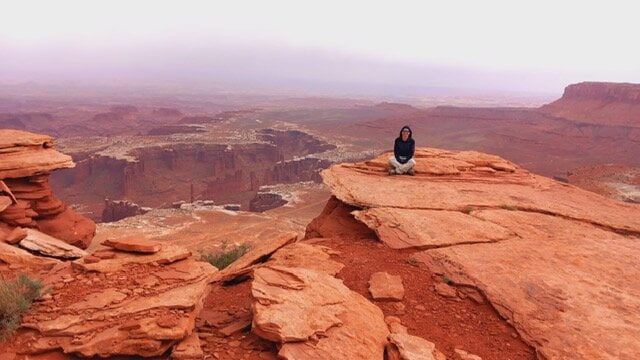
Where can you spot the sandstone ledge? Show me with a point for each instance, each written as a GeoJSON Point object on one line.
{"type": "Point", "coordinates": [550, 257]}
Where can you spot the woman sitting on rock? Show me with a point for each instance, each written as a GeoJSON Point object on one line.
{"type": "Point", "coordinates": [402, 161]}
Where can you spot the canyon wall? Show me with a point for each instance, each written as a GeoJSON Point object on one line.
{"type": "Point", "coordinates": [162, 175]}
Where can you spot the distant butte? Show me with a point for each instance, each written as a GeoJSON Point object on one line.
{"type": "Point", "coordinates": [599, 103]}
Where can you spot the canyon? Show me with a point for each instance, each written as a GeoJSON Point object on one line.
{"type": "Point", "coordinates": [517, 238]}
{"type": "Point", "coordinates": [158, 176]}
{"type": "Point", "coordinates": [556, 243]}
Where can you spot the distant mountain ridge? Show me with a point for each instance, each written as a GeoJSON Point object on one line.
{"type": "Point", "coordinates": [599, 103]}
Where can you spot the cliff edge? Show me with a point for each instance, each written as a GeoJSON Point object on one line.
{"type": "Point", "coordinates": [559, 263]}
{"type": "Point", "coordinates": [599, 103]}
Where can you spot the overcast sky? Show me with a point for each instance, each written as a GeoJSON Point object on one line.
{"type": "Point", "coordinates": [510, 45]}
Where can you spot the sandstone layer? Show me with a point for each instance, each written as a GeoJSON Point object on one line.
{"type": "Point", "coordinates": [301, 305]}
{"type": "Point", "coordinates": [26, 159]}
{"type": "Point", "coordinates": [600, 103]}
{"type": "Point", "coordinates": [557, 261]}
{"type": "Point", "coordinates": [131, 305]}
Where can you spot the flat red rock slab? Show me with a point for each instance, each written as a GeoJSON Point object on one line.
{"type": "Point", "coordinates": [384, 286]}
{"type": "Point", "coordinates": [134, 244]}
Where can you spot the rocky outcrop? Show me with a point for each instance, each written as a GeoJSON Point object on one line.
{"type": "Point", "coordinates": [599, 102]}
{"type": "Point", "coordinates": [26, 159]}
{"type": "Point", "coordinates": [550, 257]}
{"type": "Point", "coordinates": [43, 244]}
{"type": "Point", "coordinates": [623, 92]}
{"type": "Point", "coordinates": [119, 303]}
{"type": "Point", "coordinates": [301, 305]}
{"type": "Point", "coordinates": [266, 201]}
{"type": "Point", "coordinates": [115, 210]}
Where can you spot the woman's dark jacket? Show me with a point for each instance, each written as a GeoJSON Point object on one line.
{"type": "Point", "coordinates": [403, 150]}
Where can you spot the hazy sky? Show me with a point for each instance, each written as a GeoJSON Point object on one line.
{"type": "Point", "coordinates": [521, 45]}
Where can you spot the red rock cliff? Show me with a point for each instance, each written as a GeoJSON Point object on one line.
{"type": "Point", "coordinates": [599, 103]}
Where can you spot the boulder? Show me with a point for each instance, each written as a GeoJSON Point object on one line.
{"type": "Point", "coordinates": [315, 316]}
{"type": "Point", "coordinates": [310, 313]}
{"type": "Point", "coordinates": [384, 286]}
{"type": "Point", "coordinates": [46, 245]}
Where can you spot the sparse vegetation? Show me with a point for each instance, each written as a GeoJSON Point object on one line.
{"type": "Point", "coordinates": [225, 257]}
{"type": "Point", "coordinates": [16, 296]}
{"type": "Point", "coordinates": [467, 210]}
{"type": "Point", "coordinates": [509, 207]}
{"type": "Point", "coordinates": [445, 279]}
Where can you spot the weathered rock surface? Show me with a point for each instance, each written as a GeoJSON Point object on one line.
{"type": "Point", "coordinates": [24, 154]}
{"type": "Point", "coordinates": [305, 255]}
{"type": "Point", "coordinates": [409, 228]}
{"type": "Point", "coordinates": [314, 315]}
{"type": "Point", "coordinates": [25, 162]}
{"type": "Point", "coordinates": [189, 348]}
{"type": "Point", "coordinates": [408, 347]}
{"type": "Point", "coordinates": [110, 261]}
{"type": "Point", "coordinates": [12, 235]}
{"type": "Point", "coordinates": [19, 258]}
{"type": "Point", "coordinates": [384, 286]}
{"type": "Point", "coordinates": [550, 257]}
{"type": "Point", "coordinates": [139, 308]}
{"type": "Point", "coordinates": [49, 246]}
{"type": "Point", "coordinates": [599, 102]}
{"type": "Point", "coordinates": [137, 244]}
{"type": "Point", "coordinates": [463, 355]}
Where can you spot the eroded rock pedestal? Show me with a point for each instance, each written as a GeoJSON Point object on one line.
{"type": "Point", "coordinates": [26, 199]}
{"type": "Point", "coordinates": [558, 262]}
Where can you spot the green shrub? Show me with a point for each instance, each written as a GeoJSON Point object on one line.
{"type": "Point", "coordinates": [225, 257]}
{"type": "Point", "coordinates": [16, 296]}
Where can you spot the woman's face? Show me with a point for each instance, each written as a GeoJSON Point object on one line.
{"type": "Point", "coordinates": [405, 135]}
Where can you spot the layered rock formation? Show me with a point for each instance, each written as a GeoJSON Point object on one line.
{"type": "Point", "coordinates": [158, 176]}
{"type": "Point", "coordinates": [558, 262]}
{"type": "Point", "coordinates": [26, 159]}
{"type": "Point", "coordinates": [600, 103]}
{"type": "Point", "coordinates": [119, 303]}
